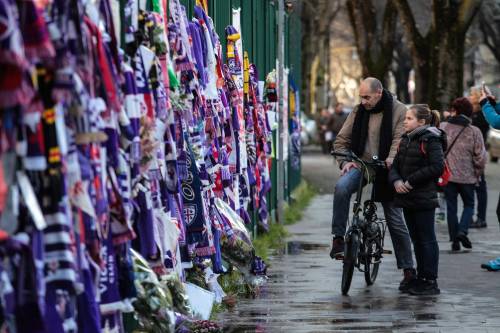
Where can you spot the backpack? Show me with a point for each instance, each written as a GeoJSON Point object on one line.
{"type": "Point", "coordinates": [445, 176]}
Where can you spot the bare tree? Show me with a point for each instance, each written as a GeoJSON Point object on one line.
{"type": "Point", "coordinates": [345, 67]}
{"type": "Point", "coordinates": [489, 24]}
{"type": "Point", "coordinates": [316, 16]}
{"type": "Point", "coordinates": [374, 27]}
{"type": "Point", "coordinates": [401, 66]}
{"type": "Point", "coordinates": [438, 56]}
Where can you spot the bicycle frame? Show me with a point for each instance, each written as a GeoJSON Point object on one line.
{"type": "Point", "coordinates": [365, 235]}
{"type": "Point", "coordinates": [357, 206]}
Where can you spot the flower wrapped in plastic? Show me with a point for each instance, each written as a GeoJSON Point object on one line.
{"type": "Point", "coordinates": [154, 304]}
{"type": "Point", "coordinates": [237, 248]}
{"type": "Point", "coordinates": [179, 298]}
{"type": "Point", "coordinates": [235, 223]}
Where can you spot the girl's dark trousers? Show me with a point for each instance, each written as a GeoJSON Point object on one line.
{"type": "Point", "coordinates": [420, 224]}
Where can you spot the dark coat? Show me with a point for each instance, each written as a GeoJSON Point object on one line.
{"type": "Point", "coordinates": [480, 122]}
{"type": "Point", "coordinates": [420, 161]}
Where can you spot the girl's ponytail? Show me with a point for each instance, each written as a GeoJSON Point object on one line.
{"type": "Point", "coordinates": [435, 118]}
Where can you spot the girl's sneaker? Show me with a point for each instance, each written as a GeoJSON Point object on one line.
{"type": "Point", "coordinates": [425, 288]}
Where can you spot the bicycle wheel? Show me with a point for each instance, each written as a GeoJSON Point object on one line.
{"type": "Point", "coordinates": [350, 256]}
{"type": "Point", "coordinates": [371, 261]}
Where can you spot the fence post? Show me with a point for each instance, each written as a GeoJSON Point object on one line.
{"type": "Point", "coordinates": [281, 114]}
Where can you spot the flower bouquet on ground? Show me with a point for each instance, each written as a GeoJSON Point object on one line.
{"type": "Point", "coordinates": [154, 304]}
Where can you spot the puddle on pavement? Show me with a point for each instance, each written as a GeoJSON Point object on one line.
{"type": "Point", "coordinates": [295, 247]}
{"type": "Point", "coordinates": [426, 316]}
{"type": "Point", "coordinates": [244, 329]}
{"type": "Point", "coordinates": [337, 321]}
{"type": "Point", "coordinates": [301, 234]}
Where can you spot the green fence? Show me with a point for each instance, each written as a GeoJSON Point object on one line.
{"type": "Point", "coordinates": [260, 40]}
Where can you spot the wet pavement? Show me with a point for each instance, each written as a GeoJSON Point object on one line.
{"type": "Point", "coordinates": [303, 291]}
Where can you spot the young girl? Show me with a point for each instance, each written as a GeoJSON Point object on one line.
{"type": "Point", "coordinates": [416, 168]}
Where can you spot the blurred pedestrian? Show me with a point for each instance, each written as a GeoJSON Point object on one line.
{"type": "Point", "coordinates": [481, 190]}
{"type": "Point", "coordinates": [491, 111]}
{"type": "Point", "coordinates": [466, 157]}
{"type": "Point", "coordinates": [416, 168]}
{"type": "Point", "coordinates": [323, 120]}
{"type": "Point", "coordinates": [337, 120]}
{"type": "Point", "coordinates": [446, 115]}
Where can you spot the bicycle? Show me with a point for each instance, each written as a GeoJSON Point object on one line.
{"type": "Point", "coordinates": [364, 238]}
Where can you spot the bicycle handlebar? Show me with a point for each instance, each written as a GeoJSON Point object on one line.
{"type": "Point", "coordinates": [375, 162]}
{"type": "Point", "coordinates": [334, 153]}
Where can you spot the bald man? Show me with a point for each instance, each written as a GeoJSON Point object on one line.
{"type": "Point", "coordinates": [373, 128]}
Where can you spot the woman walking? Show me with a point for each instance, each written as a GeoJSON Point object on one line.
{"type": "Point", "coordinates": [417, 166]}
{"type": "Point", "coordinates": [466, 159]}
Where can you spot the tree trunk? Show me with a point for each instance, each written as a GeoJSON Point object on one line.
{"type": "Point", "coordinates": [439, 75]}
{"type": "Point", "coordinates": [451, 72]}
{"type": "Point", "coordinates": [374, 42]}
{"type": "Point", "coordinates": [316, 17]}
{"type": "Point", "coordinates": [313, 78]}
{"type": "Point", "coordinates": [308, 51]}
{"type": "Point", "coordinates": [402, 75]}
{"type": "Point", "coordinates": [438, 58]}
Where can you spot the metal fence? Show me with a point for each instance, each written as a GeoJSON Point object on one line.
{"type": "Point", "coordinates": [260, 40]}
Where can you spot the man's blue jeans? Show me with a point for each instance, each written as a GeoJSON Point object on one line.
{"type": "Point", "coordinates": [451, 192]}
{"type": "Point", "coordinates": [345, 187]}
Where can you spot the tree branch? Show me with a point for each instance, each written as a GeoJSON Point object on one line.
{"type": "Point", "coordinates": [490, 38]}
{"type": "Point", "coordinates": [440, 15]}
{"type": "Point", "coordinates": [351, 11]}
{"type": "Point", "coordinates": [389, 28]}
{"type": "Point", "coordinates": [415, 39]}
{"type": "Point", "coordinates": [466, 13]}
{"type": "Point", "coordinates": [335, 12]}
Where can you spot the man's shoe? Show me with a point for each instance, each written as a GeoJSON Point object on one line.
{"type": "Point", "coordinates": [410, 276]}
{"type": "Point", "coordinates": [405, 289]}
{"type": "Point", "coordinates": [337, 251]}
{"type": "Point", "coordinates": [425, 288]}
{"type": "Point", "coordinates": [478, 223]}
{"type": "Point", "coordinates": [475, 224]}
{"type": "Point", "coordinates": [462, 238]}
{"type": "Point", "coordinates": [455, 246]}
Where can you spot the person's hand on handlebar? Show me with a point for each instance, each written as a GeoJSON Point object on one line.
{"type": "Point", "coordinates": [347, 167]}
{"type": "Point", "coordinates": [388, 162]}
{"type": "Point", "coordinates": [400, 187]}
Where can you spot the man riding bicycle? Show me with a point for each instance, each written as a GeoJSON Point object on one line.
{"type": "Point", "coordinates": [373, 128]}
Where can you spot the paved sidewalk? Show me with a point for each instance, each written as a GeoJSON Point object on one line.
{"type": "Point", "coordinates": [303, 292]}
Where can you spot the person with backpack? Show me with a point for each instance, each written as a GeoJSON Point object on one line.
{"type": "Point", "coordinates": [414, 173]}
{"type": "Point", "coordinates": [466, 158]}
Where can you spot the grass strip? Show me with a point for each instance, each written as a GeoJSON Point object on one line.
{"type": "Point", "coordinates": [275, 237]}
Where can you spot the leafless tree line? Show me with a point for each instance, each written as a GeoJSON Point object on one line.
{"type": "Point", "coordinates": [399, 35]}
